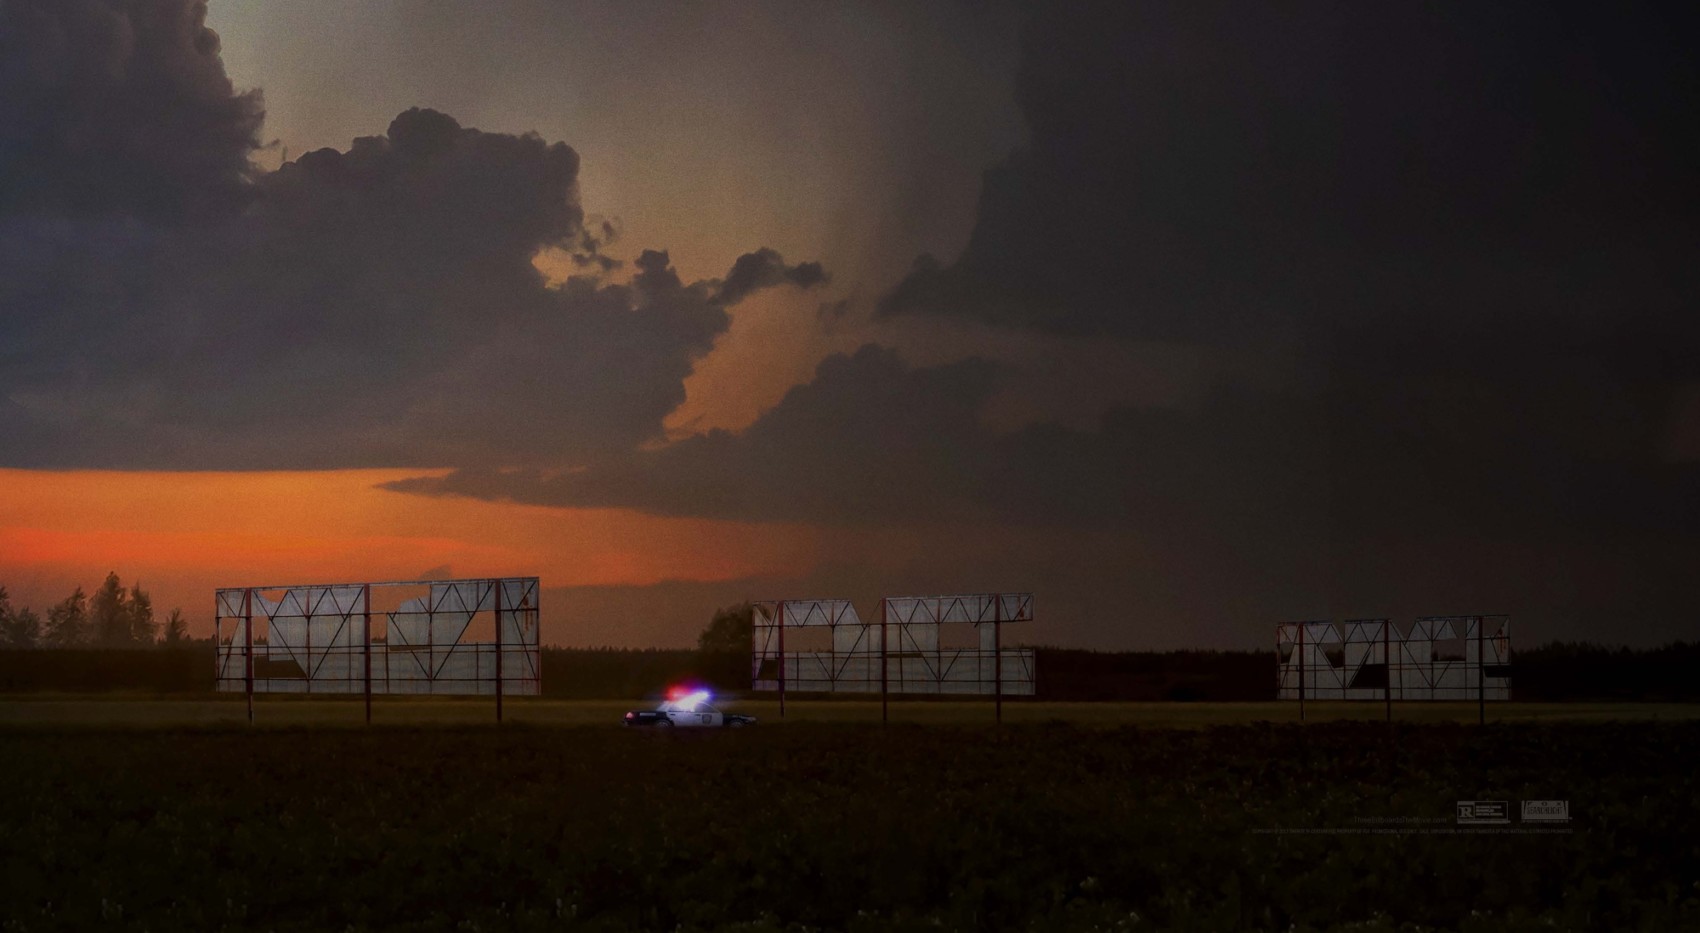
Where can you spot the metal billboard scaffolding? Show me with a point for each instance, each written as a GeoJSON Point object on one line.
{"type": "Point", "coordinates": [902, 653]}
{"type": "Point", "coordinates": [321, 639]}
{"type": "Point", "coordinates": [1435, 658]}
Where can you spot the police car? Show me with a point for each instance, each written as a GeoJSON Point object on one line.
{"type": "Point", "coordinates": [687, 709]}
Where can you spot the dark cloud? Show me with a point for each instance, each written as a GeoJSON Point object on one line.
{"type": "Point", "coordinates": [1472, 227]}
{"type": "Point", "coordinates": [832, 316]}
{"type": "Point", "coordinates": [595, 236]}
{"type": "Point", "coordinates": [1171, 528]}
{"type": "Point", "coordinates": [869, 438]}
{"type": "Point", "coordinates": [1208, 172]}
{"type": "Point", "coordinates": [1486, 302]}
{"type": "Point", "coordinates": [1467, 232]}
{"type": "Point", "coordinates": [872, 440]}
{"type": "Point", "coordinates": [112, 106]}
{"type": "Point", "coordinates": [1187, 528]}
{"type": "Point", "coordinates": [375, 306]}
{"type": "Point", "coordinates": [765, 268]}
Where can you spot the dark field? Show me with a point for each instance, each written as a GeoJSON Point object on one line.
{"type": "Point", "coordinates": [132, 711]}
{"type": "Point", "coordinates": [846, 826]}
{"type": "Point", "coordinates": [1546, 673]}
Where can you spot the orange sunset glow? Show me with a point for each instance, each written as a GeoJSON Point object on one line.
{"type": "Point", "coordinates": [180, 535]}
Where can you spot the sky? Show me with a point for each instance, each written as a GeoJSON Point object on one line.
{"type": "Point", "coordinates": [1187, 318]}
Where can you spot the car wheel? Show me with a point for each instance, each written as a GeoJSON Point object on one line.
{"type": "Point", "coordinates": [664, 724]}
{"type": "Point", "coordinates": [736, 724]}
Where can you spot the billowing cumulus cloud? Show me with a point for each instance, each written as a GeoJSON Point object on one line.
{"type": "Point", "coordinates": [364, 307]}
{"type": "Point", "coordinates": [765, 268]}
{"type": "Point", "coordinates": [1487, 325]}
{"type": "Point", "coordinates": [110, 106]}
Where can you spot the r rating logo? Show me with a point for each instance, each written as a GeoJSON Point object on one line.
{"type": "Point", "coordinates": [1484, 812]}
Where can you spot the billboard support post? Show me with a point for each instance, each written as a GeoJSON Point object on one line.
{"type": "Point", "coordinates": [366, 637]}
{"type": "Point", "coordinates": [885, 669]}
{"type": "Point", "coordinates": [1301, 652]}
{"type": "Point", "coordinates": [248, 648]}
{"type": "Point", "coordinates": [1387, 664]}
{"type": "Point", "coordinates": [1481, 674]}
{"type": "Point", "coordinates": [997, 655]}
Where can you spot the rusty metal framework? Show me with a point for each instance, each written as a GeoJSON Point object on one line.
{"type": "Point", "coordinates": [419, 637]}
{"type": "Point", "coordinates": [1434, 658]}
{"type": "Point", "coordinates": [902, 653]}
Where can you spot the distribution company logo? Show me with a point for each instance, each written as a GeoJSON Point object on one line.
{"type": "Point", "coordinates": [1546, 811]}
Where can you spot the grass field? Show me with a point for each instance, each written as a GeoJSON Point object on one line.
{"type": "Point", "coordinates": [149, 814]}
{"type": "Point", "coordinates": [107, 710]}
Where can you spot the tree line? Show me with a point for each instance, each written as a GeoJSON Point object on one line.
{"type": "Point", "coordinates": [116, 616]}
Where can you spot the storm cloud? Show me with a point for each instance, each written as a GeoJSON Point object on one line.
{"type": "Point", "coordinates": [873, 440]}
{"type": "Point", "coordinates": [1465, 234]}
{"type": "Point", "coordinates": [110, 106]}
{"type": "Point", "coordinates": [1436, 264]}
{"type": "Point", "coordinates": [374, 306]}
{"type": "Point", "coordinates": [1473, 227]}
{"type": "Point", "coordinates": [1468, 265]}
{"type": "Point", "coordinates": [1212, 172]}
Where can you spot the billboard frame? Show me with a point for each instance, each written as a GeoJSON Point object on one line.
{"type": "Point", "coordinates": [1409, 664]}
{"type": "Point", "coordinates": [852, 664]}
{"type": "Point", "coordinates": [455, 666]}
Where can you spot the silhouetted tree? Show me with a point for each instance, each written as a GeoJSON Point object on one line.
{"type": "Point", "coordinates": [109, 614]}
{"type": "Point", "coordinates": [144, 631]}
{"type": "Point", "coordinates": [122, 617]}
{"type": "Point", "coordinates": [20, 629]}
{"type": "Point", "coordinates": [68, 622]}
{"type": "Point", "coordinates": [176, 630]}
{"type": "Point", "coordinates": [729, 631]}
